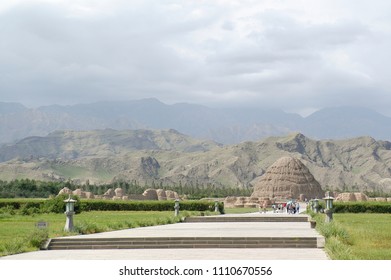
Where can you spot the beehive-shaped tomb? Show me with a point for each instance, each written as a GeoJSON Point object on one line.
{"type": "Point", "coordinates": [287, 178]}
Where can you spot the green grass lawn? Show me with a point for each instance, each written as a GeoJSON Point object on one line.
{"type": "Point", "coordinates": [17, 228]}
{"type": "Point", "coordinates": [369, 235]}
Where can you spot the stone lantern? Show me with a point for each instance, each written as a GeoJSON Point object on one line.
{"type": "Point", "coordinates": [176, 207]}
{"type": "Point", "coordinates": [316, 205]}
{"type": "Point", "coordinates": [216, 206]}
{"type": "Point", "coordinates": [329, 207]}
{"type": "Point", "coordinates": [69, 212]}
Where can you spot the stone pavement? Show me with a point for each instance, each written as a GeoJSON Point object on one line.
{"type": "Point", "coordinates": [174, 254]}
{"type": "Point", "coordinates": [229, 229]}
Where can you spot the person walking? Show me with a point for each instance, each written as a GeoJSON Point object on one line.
{"type": "Point", "coordinates": [297, 207]}
{"type": "Point", "coordinates": [264, 205]}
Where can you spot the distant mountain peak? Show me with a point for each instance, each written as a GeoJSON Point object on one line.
{"type": "Point", "coordinates": [70, 144]}
{"type": "Point", "coordinates": [223, 125]}
{"type": "Point", "coordinates": [295, 142]}
{"type": "Point", "coordinates": [296, 136]}
{"type": "Point", "coordinates": [11, 108]}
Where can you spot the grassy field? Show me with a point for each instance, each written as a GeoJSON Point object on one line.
{"type": "Point", "coordinates": [16, 230]}
{"type": "Point", "coordinates": [369, 235]}
{"type": "Point", "coordinates": [357, 236]}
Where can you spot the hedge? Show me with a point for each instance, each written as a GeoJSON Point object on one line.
{"type": "Point", "coordinates": [148, 205]}
{"type": "Point", "coordinates": [362, 207]}
{"type": "Point", "coordinates": [20, 203]}
{"type": "Point", "coordinates": [56, 205]}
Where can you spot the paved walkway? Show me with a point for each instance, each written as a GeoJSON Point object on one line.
{"type": "Point", "coordinates": [175, 254]}
{"type": "Point", "coordinates": [236, 229]}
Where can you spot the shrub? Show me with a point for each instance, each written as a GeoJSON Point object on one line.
{"type": "Point", "coordinates": [130, 224]}
{"type": "Point", "coordinates": [87, 228]}
{"type": "Point", "coordinates": [28, 209]}
{"type": "Point", "coordinates": [329, 230]}
{"type": "Point", "coordinates": [38, 237]}
{"type": "Point", "coordinates": [57, 204]}
{"type": "Point", "coordinates": [116, 226]}
{"type": "Point", "coordinates": [338, 249]}
{"type": "Point", "coordinates": [7, 211]}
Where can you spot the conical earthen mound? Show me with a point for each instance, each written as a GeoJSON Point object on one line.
{"type": "Point", "coordinates": [288, 178]}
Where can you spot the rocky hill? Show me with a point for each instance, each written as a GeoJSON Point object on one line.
{"type": "Point", "coordinates": [68, 145]}
{"type": "Point", "coordinates": [169, 157]}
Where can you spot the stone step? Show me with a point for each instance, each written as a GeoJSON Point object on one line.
{"type": "Point", "coordinates": [231, 219]}
{"type": "Point", "coordinates": [181, 242]}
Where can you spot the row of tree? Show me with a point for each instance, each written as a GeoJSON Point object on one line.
{"type": "Point", "coordinates": [30, 188]}
{"type": "Point", "coordinates": [41, 189]}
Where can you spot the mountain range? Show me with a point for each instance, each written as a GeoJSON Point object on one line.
{"type": "Point", "coordinates": [170, 157]}
{"type": "Point", "coordinates": [222, 125]}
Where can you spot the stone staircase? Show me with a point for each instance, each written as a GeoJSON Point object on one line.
{"type": "Point", "coordinates": [246, 219]}
{"type": "Point", "coordinates": [181, 243]}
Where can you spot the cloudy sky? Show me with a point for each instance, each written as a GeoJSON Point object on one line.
{"type": "Point", "coordinates": [297, 55]}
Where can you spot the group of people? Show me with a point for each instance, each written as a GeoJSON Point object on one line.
{"type": "Point", "coordinates": [291, 207]}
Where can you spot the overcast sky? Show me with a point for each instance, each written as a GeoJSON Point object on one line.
{"type": "Point", "coordinates": [295, 55]}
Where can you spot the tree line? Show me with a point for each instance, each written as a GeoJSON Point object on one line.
{"type": "Point", "coordinates": [28, 188]}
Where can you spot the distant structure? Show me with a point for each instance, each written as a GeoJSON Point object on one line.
{"type": "Point", "coordinates": [358, 196]}
{"type": "Point", "coordinates": [287, 178]}
{"type": "Point", "coordinates": [351, 197]}
{"type": "Point", "coordinates": [118, 194]}
{"type": "Point", "coordinates": [243, 201]}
